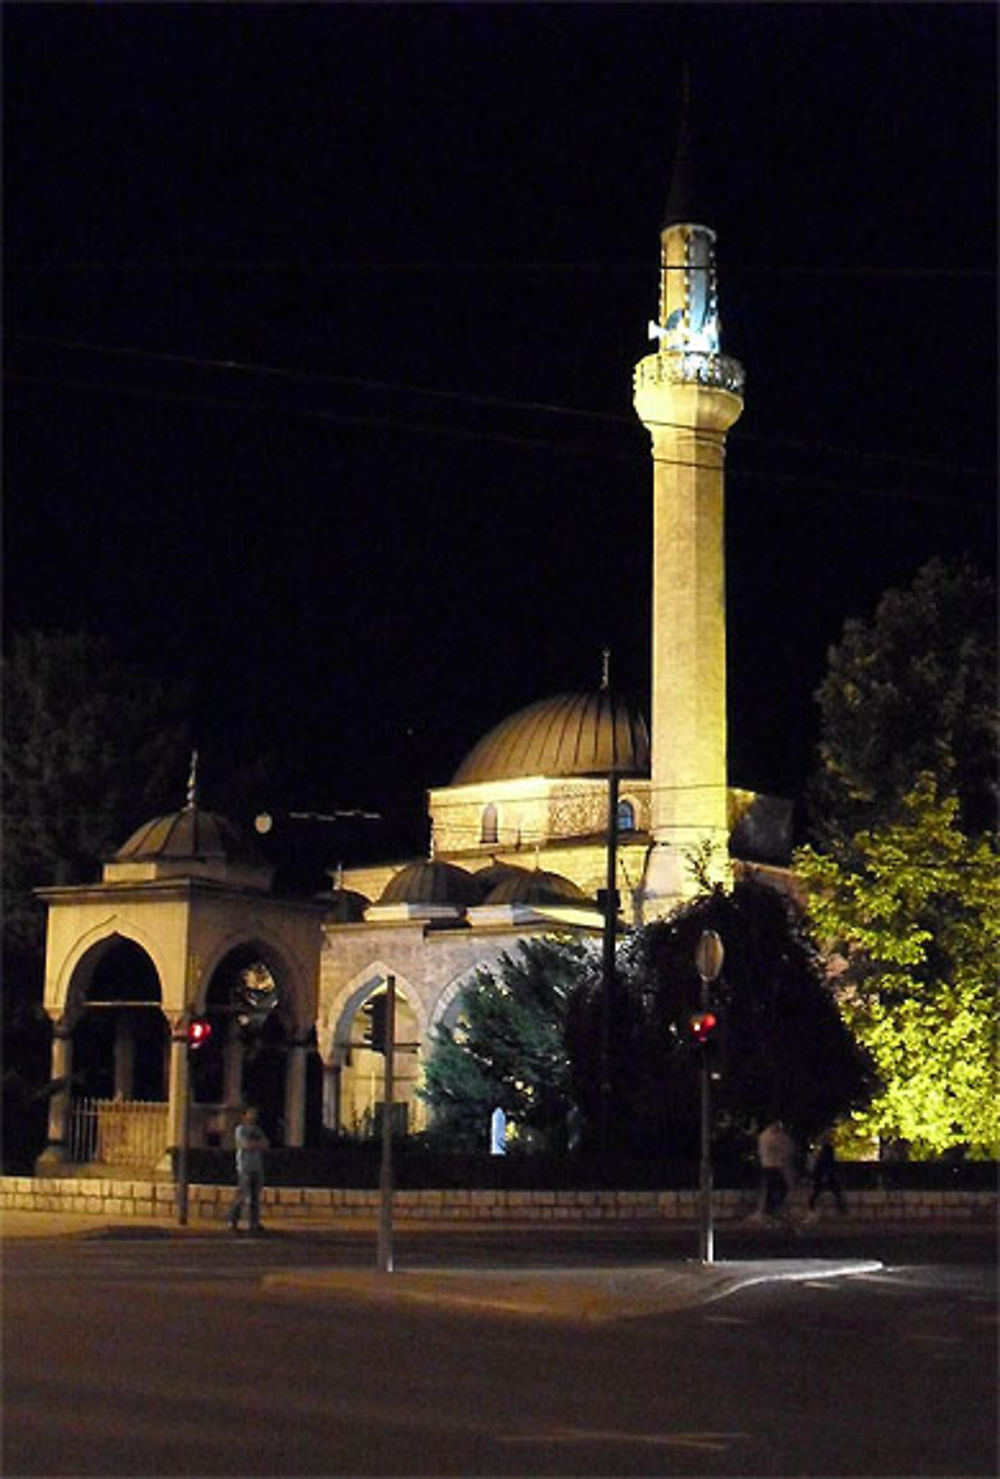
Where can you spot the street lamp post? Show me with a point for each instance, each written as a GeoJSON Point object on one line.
{"type": "Point", "coordinates": [708, 957]}
{"type": "Point", "coordinates": [383, 1247]}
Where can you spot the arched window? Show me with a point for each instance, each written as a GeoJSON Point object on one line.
{"type": "Point", "coordinates": [626, 816]}
{"type": "Point", "coordinates": [488, 830]}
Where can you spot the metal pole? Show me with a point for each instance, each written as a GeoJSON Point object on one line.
{"type": "Point", "coordinates": [608, 960]}
{"type": "Point", "coordinates": [706, 1238]}
{"type": "Point", "coordinates": [709, 955]}
{"type": "Point", "coordinates": [383, 1254]}
{"type": "Point", "coordinates": [182, 1149]}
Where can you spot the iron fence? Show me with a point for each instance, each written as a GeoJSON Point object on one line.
{"type": "Point", "coordinates": [118, 1132]}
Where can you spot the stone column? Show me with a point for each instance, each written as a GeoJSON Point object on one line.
{"type": "Point", "coordinates": [232, 1066]}
{"type": "Point", "coordinates": [331, 1096]}
{"type": "Point", "coordinates": [57, 1148]}
{"type": "Point", "coordinates": [124, 1055]}
{"type": "Point", "coordinates": [295, 1093]}
{"type": "Point", "coordinates": [177, 1107]}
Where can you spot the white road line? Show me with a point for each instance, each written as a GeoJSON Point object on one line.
{"type": "Point", "coordinates": [707, 1442]}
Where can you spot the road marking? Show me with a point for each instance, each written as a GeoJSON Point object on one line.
{"type": "Point", "coordinates": [707, 1442]}
{"type": "Point", "coordinates": [725, 1320]}
{"type": "Point", "coordinates": [936, 1339]}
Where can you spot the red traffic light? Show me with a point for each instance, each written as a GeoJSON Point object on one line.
{"type": "Point", "coordinates": [199, 1031]}
{"type": "Point", "coordinates": [703, 1024]}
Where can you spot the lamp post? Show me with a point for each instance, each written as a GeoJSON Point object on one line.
{"type": "Point", "coordinates": [708, 957]}
{"type": "Point", "coordinates": [383, 1246]}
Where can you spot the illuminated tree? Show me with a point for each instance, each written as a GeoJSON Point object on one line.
{"type": "Point", "coordinates": [910, 691]}
{"type": "Point", "coordinates": [913, 910]}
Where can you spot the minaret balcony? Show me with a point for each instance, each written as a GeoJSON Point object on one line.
{"type": "Point", "coordinates": [690, 367]}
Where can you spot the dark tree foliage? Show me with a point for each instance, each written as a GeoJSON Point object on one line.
{"type": "Point", "coordinates": [911, 691]}
{"type": "Point", "coordinates": [531, 1037]}
{"type": "Point", "coordinates": [92, 748]}
{"type": "Point", "coordinates": [783, 1050]}
{"type": "Point", "coordinates": [508, 1049]}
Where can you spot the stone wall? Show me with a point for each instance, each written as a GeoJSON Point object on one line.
{"type": "Point", "coordinates": [122, 1199]}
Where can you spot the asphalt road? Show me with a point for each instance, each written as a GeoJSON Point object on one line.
{"type": "Point", "coordinates": [152, 1356]}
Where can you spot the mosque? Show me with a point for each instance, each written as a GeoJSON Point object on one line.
{"type": "Point", "coordinates": [570, 816]}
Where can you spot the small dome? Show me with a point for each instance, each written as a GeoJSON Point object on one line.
{"type": "Point", "coordinates": [571, 734]}
{"type": "Point", "coordinates": [488, 878]}
{"type": "Point", "coordinates": [188, 834]}
{"type": "Point", "coordinates": [345, 906]}
{"type": "Point", "coordinates": [432, 883]}
{"type": "Point", "coordinates": [536, 886]}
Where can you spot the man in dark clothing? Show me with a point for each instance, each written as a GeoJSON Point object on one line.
{"type": "Point", "coordinates": [824, 1175]}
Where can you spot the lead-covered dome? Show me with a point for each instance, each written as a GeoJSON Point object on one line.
{"type": "Point", "coordinates": [570, 734]}
{"type": "Point", "coordinates": [535, 886]}
{"type": "Point", "coordinates": [190, 843]}
{"type": "Point", "coordinates": [187, 834]}
{"type": "Point", "coordinates": [432, 883]}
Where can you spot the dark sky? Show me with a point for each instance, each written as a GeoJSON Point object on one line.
{"type": "Point", "coordinates": [320, 328]}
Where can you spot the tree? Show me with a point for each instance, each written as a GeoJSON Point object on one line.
{"type": "Point", "coordinates": [92, 748]}
{"type": "Point", "coordinates": [531, 1036]}
{"type": "Point", "coordinates": [508, 1049]}
{"type": "Point", "coordinates": [783, 1049]}
{"type": "Point", "coordinates": [913, 908]}
{"type": "Point", "coordinates": [913, 690]}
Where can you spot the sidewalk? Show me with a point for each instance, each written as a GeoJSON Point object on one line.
{"type": "Point", "coordinates": [591, 1295]}
{"type": "Point", "coordinates": [563, 1293]}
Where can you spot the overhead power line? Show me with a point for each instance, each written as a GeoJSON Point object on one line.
{"type": "Point", "coordinates": [367, 383]}
{"type": "Point", "coordinates": [800, 481]}
{"type": "Point", "coordinates": [437, 265]}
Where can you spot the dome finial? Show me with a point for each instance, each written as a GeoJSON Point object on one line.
{"type": "Point", "coordinates": [192, 785]}
{"type": "Point", "coordinates": [605, 669]}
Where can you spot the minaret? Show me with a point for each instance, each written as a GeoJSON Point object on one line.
{"type": "Point", "coordinates": [687, 395]}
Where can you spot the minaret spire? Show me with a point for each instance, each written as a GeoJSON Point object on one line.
{"type": "Point", "coordinates": [681, 195]}
{"type": "Point", "coordinates": [688, 395]}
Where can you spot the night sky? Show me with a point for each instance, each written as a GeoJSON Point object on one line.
{"type": "Point", "coordinates": [320, 329]}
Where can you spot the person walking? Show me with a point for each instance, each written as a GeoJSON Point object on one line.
{"type": "Point", "coordinates": [251, 1143]}
{"type": "Point", "coordinates": [823, 1175]}
{"type": "Point", "coordinates": [776, 1154]}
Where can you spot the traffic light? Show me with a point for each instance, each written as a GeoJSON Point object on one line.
{"type": "Point", "coordinates": [376, 1009]}
{"type": "Point", "coordinates": [199, 1031]}
{"type": "Point", "coordinates": [702, 1028]}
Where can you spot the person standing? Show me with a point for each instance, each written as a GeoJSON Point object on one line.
{"type": "Point", "coordinates": [251, 1143]}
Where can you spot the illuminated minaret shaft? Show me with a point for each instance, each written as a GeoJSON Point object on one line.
{"type": "Point", "coordinates": [687, 395]}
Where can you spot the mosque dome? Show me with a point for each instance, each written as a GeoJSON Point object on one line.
{"type": "Point", "coordinates": [570, 734]}
{"type": "Point", "coordinates": [190, 843]}
{"type": "Point", "coordinates": [345, 906]}
{"type": "Point", "coordinates": [187, 834]}
{"type": "Point", "coordinates": [432, 883]}
{"type": "Point", "coordinates": [488, 878]}
{"type": "Point", "coordinates": [535, 886]}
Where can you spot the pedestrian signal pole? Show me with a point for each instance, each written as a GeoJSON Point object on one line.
{"type": "Point", "coordinates": [195, 1034]}
{"type": "Point", "coordinates": [383, 1252]}
{"type": "Point", "coordinates": [708, 956]}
